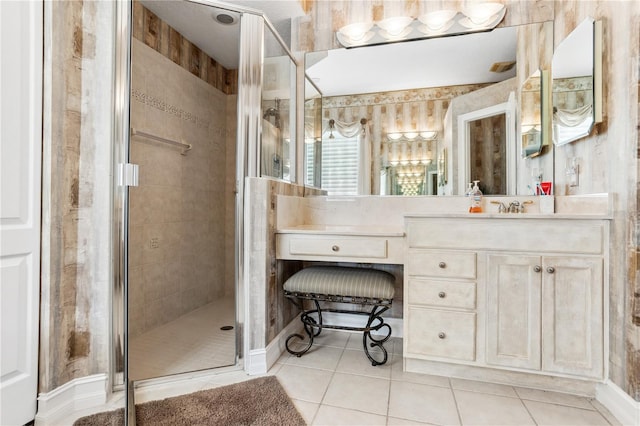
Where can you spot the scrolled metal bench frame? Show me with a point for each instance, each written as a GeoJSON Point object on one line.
{"type": "Point", "coordinates": [314, 327]}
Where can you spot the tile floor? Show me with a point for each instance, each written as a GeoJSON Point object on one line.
{"type": "Point", "coordinates": [190, 343]}
{"type": "Point", "coordinates": [334, 384]}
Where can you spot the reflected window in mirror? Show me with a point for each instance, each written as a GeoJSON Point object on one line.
{"type": "Point", "coordinates": [340, 163]}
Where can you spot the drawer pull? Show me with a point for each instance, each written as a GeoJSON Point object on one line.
{"type": "Point", "coordinates": [537, 268]}
{"type": "Point", "coordinates": [551, 269]}
{"type": "Point", "coordinates": [442, 265]}
{"type": "Point", "coordinates": [335, 248]}
{"type": "Point", "coordinates": [442, 295]}
{"type": "Point", "coordinates": [442, 335]}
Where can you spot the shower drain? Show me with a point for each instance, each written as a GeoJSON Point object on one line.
{"type": "Point", "coordinates": [226, 327]}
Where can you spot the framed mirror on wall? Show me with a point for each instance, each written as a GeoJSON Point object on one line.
{"type": "Point", "coordinates": [577, 83]}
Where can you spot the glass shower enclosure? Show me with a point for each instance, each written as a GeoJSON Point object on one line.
{"type": "Point", "coordinates": [193, 120]}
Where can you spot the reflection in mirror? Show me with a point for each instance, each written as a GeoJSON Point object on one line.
{"type": "Point", "coordinates": [312, 134]}
{"type": "Point", "coordinates": [487, 149]}
{"type": "Point", "coordinates": [413, 90]}
{"type": "Point", "coordinates": [278, 110]}
{"type": "Point", "coordinates": [407, 164]}
{"type": "Point", "coordinates": [573, 85]}
{"type": "Point", "coordinates": [405, 101]}
{"type": "Point", "coordinates": [531, 117]}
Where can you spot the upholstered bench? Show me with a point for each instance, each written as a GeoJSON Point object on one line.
{"type": "Point", "coordinates": [359, 286]}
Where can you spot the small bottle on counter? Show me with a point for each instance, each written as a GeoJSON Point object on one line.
{"type": "Point", "coordinates": [469, 192]}
{"type": "Point", "coordinates": [476, 198]}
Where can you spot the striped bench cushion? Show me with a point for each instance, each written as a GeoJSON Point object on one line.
{"type": "Point", "coordinates": [342, 281]}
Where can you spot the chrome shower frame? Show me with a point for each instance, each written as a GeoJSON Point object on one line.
{"type": "Point", "coordinates": [249, 127]}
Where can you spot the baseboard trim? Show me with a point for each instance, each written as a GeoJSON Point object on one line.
{"type": "Point", "coordinates": [78, 394]}
{"type": "Point", "coordinates": [261, 360]}
{"type": "Point", "coordinates": [619, 403]}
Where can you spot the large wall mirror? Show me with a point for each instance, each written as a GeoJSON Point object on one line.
{"type": "Point", "coordinates": [577, 83]}
{"type": "Point", "coordinates": [395, 109]}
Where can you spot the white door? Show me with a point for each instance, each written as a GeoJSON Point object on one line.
{"type": "Point", "coordinates": [20, 164]}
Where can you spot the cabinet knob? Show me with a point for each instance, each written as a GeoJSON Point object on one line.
{"type": "Point", "coordinates": [442, 265]}
{"type": "Point", "coordinates": [537, 268]}
{"type": "Point", "coordinates": [442, 335]}
{"type": "Point", "coordinates": [442, 295]}
{"type": "Point", "coordinates": [551, 269]}
{"type": "Point", "coordinates": [335, 248]}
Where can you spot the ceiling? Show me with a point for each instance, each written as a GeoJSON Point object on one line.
{"type": "Point", "coordinates": [444, 61]}
{"type": "Point", "coordinates": [196, 22]}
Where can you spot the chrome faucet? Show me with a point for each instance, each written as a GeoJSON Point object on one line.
{"type": "Point", "coordinates": [502, 208]}
{"type": "Point", "coordinates": [513, 207]}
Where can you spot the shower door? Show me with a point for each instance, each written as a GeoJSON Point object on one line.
{"type": "Point", "coordinates": [181, 223]}
{"type": "Point", "coordinates": [182, 214]}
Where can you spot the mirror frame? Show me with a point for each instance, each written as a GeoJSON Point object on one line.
{"type": "Point", "coordinates": [509, 110]}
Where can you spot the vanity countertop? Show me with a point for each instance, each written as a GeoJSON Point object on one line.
{"type": "Point", "coordinates": [553, 216]}
{"type": "Point", "coordinates": [383, 231]}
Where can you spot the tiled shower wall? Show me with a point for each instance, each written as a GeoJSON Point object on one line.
{"type": "Point", "coordinates": [178, 213]}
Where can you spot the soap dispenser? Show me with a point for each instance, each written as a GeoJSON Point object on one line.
{"type": "Point", "coordinates": [476, 198]}
{"type": "Point", "coordinates": [469, 192]}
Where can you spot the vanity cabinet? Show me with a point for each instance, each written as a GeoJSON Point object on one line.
{"type": "Point", "coordinates": [505, 294]}
{"type": "Point", "coordinates": [545, 313]}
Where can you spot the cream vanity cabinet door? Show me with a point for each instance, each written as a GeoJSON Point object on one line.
{"type": "Point", "coordinates": [545, 313]}
{"type": "Point", "coordinates": [572, 315]}
{"type": "Point", "coordinates": [513, 314]}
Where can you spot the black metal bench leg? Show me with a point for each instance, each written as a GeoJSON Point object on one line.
{"type": "Point", "coordinates": [379, 343]}
{"type": "Point", "coordinates": [312, 327]}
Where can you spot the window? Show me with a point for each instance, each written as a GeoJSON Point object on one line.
{"type": "Point", "coordinates": [338, 165]}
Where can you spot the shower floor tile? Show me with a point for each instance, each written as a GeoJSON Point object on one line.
{"type": "Point", "coordinates": [190, 343]}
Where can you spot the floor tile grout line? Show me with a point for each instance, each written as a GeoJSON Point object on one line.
{"type": "Point", "coordinates": [455, 401]}
{"type": "Point", "coordinates": [527, 408]}
{"type": "Point", "coordinates": [606, 418]}
{"type": "Point", "coordinates": [324, 394]}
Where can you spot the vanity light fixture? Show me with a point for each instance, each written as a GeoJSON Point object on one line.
{"type": "Point", "coordinates": [438, 20]}
{"type": "Point", "coordinates": [482, 14]}
{"type": "Point", "coordinates": [395, 28]}
{"type": "Point", "coordinates": [355, 34]}
{"type": "Point", "coordinates": [475, 17]}
{"type": "Point", "coordinates": [426, 135]}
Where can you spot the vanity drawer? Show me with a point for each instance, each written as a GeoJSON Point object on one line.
{"type": "Point", "coordinates": [442, 293]}
{"type": "Point", "coordinates": [442, 264]}
{"type": "Point", "coordinates": [443, 334]}
{"type": "Point", "coordinates": [339, 247]}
